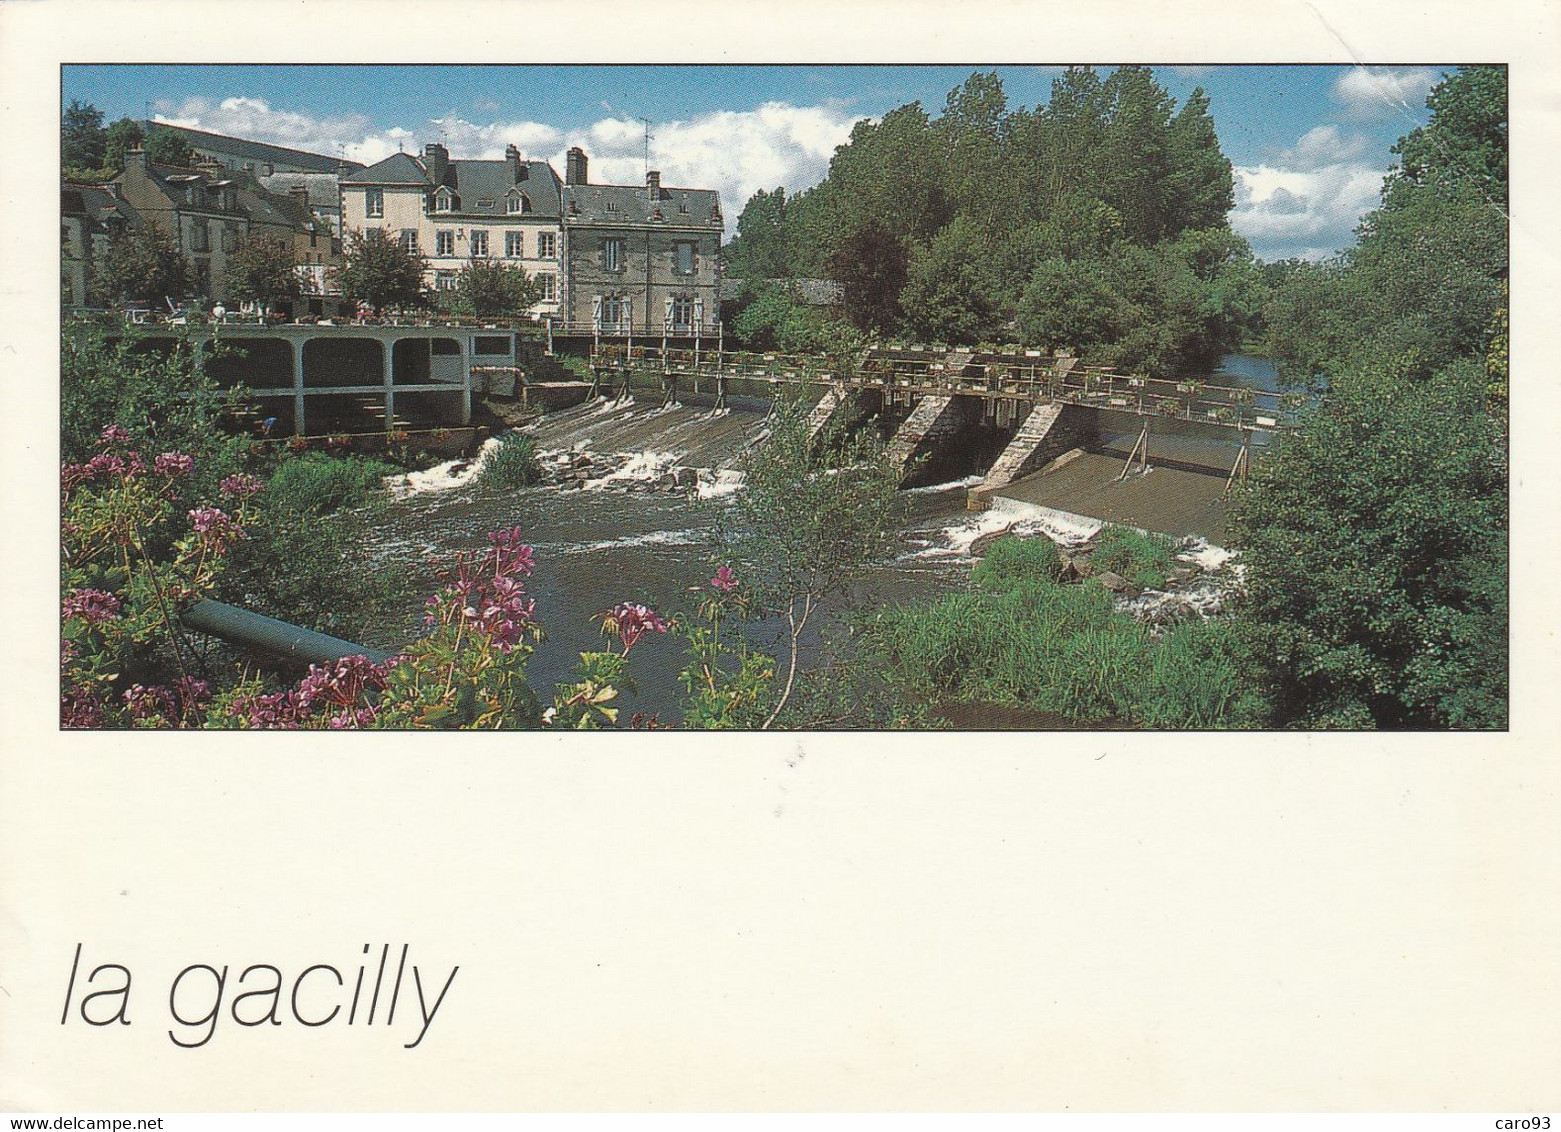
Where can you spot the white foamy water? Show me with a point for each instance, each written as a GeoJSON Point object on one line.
{"type": "Point", "coordinates": [684, 537]}
{"type": "Point", "coordinates": [934, 488]}
{"type": "Point", "coordinates": [1204, 554]}
{"type": "Point", "coordinates": [442, 477]}
{"type": "Point", "coordinates": [1021, 519]}
{"type": "Point", "coordinates": [640, 466]}
{"type": "Point", "coordinates": [714, 485]}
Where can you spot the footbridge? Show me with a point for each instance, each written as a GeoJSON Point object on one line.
{"type": "Point", "coordinates": [1040, 403]}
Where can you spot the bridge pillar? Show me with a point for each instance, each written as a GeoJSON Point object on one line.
{"type": "Point", "coordinates": [388, 374]}
{"type": "Point", "coordinates": [466, 383]}
{"type": "Point", "coordinates": [298, 386]}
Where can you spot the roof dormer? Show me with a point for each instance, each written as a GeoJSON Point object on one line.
{"type": "Point", "coordinates": [516, 201]}
{"type": "Point", "coordinates": [445, 200]}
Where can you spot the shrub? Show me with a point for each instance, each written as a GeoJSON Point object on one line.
{"type": "Point", "coordinates": [316, 484]}
{"type": "Point", "coordinates": [1012, 560]}
{"type": "Point", "coordinates": [513, 464]}
{"type": "Point", "coordinates": [1142, 559]}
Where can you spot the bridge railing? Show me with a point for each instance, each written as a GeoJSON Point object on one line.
{"type": "Point", "coordinates": [1034, 375]}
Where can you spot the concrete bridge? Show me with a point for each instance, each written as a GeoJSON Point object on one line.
{"type": "Point", "coordinates": [312, 377]}
{"type": "Point", "coordinates": [1043, 404]}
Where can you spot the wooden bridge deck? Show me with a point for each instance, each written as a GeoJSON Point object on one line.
{"type": "Point", "coordinates": [997, 376]}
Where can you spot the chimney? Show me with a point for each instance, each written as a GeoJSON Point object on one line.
{"type": "Point", "coordinates": [436, 160]}
{"type": "Point", "coordinates": [653, 186]}
{"type": "Point", "coordinates": [574, 166]}
{"type": "Point", "coordinates": [517, 171]}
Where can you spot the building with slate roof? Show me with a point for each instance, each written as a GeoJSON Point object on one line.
{"type": "Point", "coordinates": [90, 216]}
{"type": "Point", "coordinates": [211, 214]}
{"type": "Point", "coordinates": [457, 210]}
{"type": "Point", "coordinates": [639, 259]}
{"type": "Point", "coordinates": [274, 168]}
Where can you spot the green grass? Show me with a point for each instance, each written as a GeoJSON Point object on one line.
{"type": "Point", "coordinates": [1017, 637]}
{"type": "Point", "coordinates": [514, 464]}
{"type": "Point", "coordinates": [313, 483]}
{"type": "Point", "coordinates": [1143, 559]}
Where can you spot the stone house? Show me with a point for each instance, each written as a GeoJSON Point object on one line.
{"type": "Point", "coordinates": [455, 211]}
{"type": "Point", "coordinates": [211, 214]}
{"type": "Point", "coordinates": [639, 259]}
{"type": "Point", "coordinates": [275, 168]}
{"type": "Point", "coordinates": [90, 216]}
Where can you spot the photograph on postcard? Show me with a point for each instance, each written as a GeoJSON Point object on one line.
{"type": "Point", "coordinates": [795, 398]}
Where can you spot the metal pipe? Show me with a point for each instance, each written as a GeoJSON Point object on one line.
{"type": "Point", "coordinates": [268, 635]}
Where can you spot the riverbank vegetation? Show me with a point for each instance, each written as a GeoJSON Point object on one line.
{"type": "Point", "coordinates": [1096, 222]}
{"type": "Point", "coordinates": [1375, 537]}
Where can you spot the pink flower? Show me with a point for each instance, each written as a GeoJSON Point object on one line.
{"type": "Point", "coordinates": [154, 704]}
{"type": "Point", "coordinates": [216, 528]}
{"type": "Point", "coordinates": [78, 710]}
{"type": "Point", "coordinates": [240, 486]}
{"type": "Point", "coordinates": [629, 621]}
{"type": "Point", "coordinates": [113, 434]}
{"type": "Point", "coordinates": [725, 579]}
{"type": "Point", "coordinates": [95, 606]}
{"type": "Point", "coordinates": [173, 464]}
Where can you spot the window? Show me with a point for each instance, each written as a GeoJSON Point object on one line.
{"type": "Point", "coordinates": [229, 238]}
{"type": "Point", "coordinates": [612, 312]}
{"type": "Point", "coordinates": [444, 201]}
{"type": "Point", "coordinates": [200, 237]}
{"type": "Point", "coordinates": [479, 242]}
{"type": "Point", "coordinates": [547, 245]}
{"type": "Point", "coordinates": [514, 244]}
{"type": "Point", "coordinates": [444, 280]}
{"type": "Point", "coordinates": [682, 311]}
{"type": "Point", "coordinates": [266, 170]}
{"type": "Point", "coordinates": [612, 205]}
{"type": "Point", "coordinates": [685, 258]}
{"type": "Point", "coordinates": [409, 239]}
{"type": "Point", "coordinates": [612, 253]}
{"type": "Point", "coordinates": [486, 202]}
{"type": "Point", "coordinates": [491, 346]}
{"type": "Point", "coordinates": [683, 205]}
{"type": "Point", "coordinates": [517, 202]}
{"type": "Point", "coordinates": [374, 202]}
{"type": "Point", "coordinates": [444, 241]}
{"type": "Point", "coordinates": [547, 285]}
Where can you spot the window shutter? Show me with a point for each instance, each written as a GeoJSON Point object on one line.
{"type": "Point", "coordinates": [596, 311]}
{"type": "Point", "coordinates": [667, 319]}
{"type": "Point", "coordinates": [699, 312]}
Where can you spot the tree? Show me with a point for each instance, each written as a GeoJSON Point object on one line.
{"type": "Point", "coordinates": [123, 135]}
{"type": "Point", "coordinates": [1465, 142]}
{"type": "Point", "coordinates": [141, 266]}
{"type": "Point", "coordinates": [264, 269]}
{"type": "Point", "coordinates": [812, 514]}
{"type": "Point", "coordinates": [380, 272]}
{"type": "Point", "coordinates": [1202, 188]}
{"type": "Point", "coordinates": [1374, 541]}
{"type": "Point", "coordinates": [759, 250]}
{"type": "Point", "coordinates": [871, 267]}
{"type": "Point", "coordinates": [82, 138]}
{"type": "Point", "coordinates": [488, 289]}
{"type": "Point", "coordinates": [168, 147]}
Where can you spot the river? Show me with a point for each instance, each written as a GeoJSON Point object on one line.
{"type": "Point", "coordinates": [613, 540]}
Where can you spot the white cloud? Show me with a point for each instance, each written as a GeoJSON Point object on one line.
{"type": "Point", "coordinates": [1375, 94]}
{"type": "Point", "coordinates": [1308, 202]}
{"type": "Point", "coordinates": [734, 152]}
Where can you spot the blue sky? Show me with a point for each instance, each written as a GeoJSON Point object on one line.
{"type": "Point", "coordinates": [1310, 143]}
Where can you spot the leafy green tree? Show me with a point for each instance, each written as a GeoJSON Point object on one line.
{"type": "Point", "coordinates": [1375, 546]}
{"type": "Point", "coordinates": [263, 269]}
{"type": "Point", "coordinates": [759, 250]}
{"type": "Point", "coordinates": [871, 267]}
{"type": "Point", "coordinates": [489, 289]}
{"type": "Point", "coordinates": [124, 135]}
{"type": "Point", "coordinates": [380, 273]}
{"type": "Point", "coordinates": [1202, 187]}
{"type": "Point", "coordinates": [146, 265]}
{"type": "Point", "coordinates": [811, 516]}
{"type": "Point", "coordinates": [1465, 142]}
{"type": "Point", "coordinates": [82, 137]}
{"type": "Point", "coordinates": [168, 147]}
